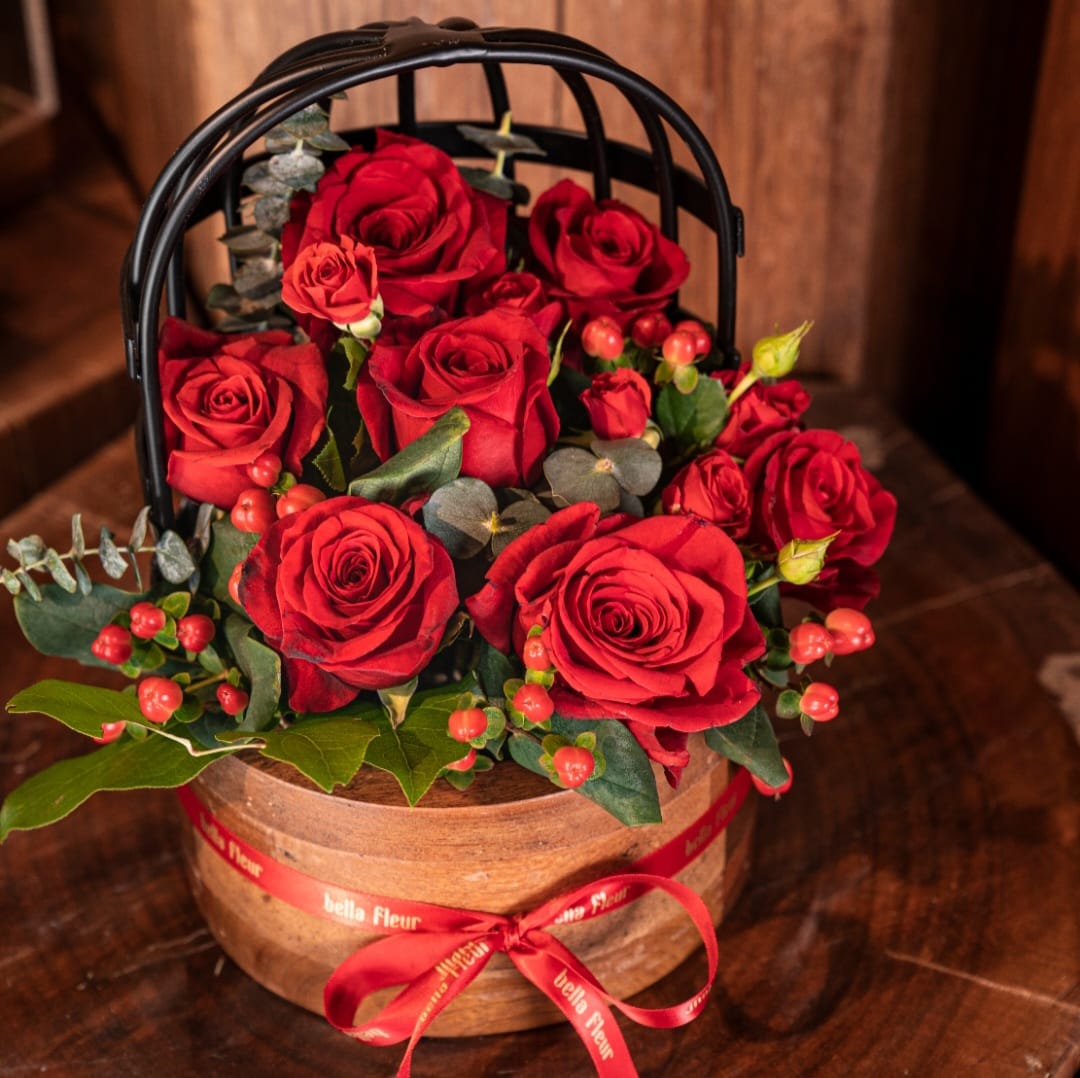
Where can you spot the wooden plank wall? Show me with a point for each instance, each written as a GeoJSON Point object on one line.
{"type": "Point", "coordinates": [1033, 457]}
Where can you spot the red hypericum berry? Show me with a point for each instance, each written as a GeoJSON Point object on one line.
{"type": "Point", "coordinates": [534, 702]}
{"type": "Point", "coordinates": [702, 340]}
{"type": "Point", "coordinates": [234, 583]}
{"type": "Point", "coordinates": [253, 511]}
{"type": "Point", "coordinates": [159, 698]}
{"type": "Point", "coordinates": [602, 339]}
{"type": "Point", "coordinates": [678, 348]}
{"type": "Point", "coordinates": [232, 699]}
{"type": "Point", "coordinates": [112, 645]}
{"type": "Point", "coordinates": [465, 763]}
{"type": "Point", "coordinates": [649, 329]}
{"type": "Point", "coordinates": [110, 731]}
{"type": "Point", "coordinates": [820, 701]}
{"type": "Point", "coordinates": [297, 499]}
{"type": "Point", "coordinates": [194, 632]}
{"type": "Point", "coordinates": [809, 642]}
{"type": "Point", "coordinates": [772, 791]}
{"type": "Point", "coordinates": [535, 655]}
{"type": "Point", "coordinates": [851, 630]}
{"type": "Point", "coordinates": [265, 471]}
{"type": "Point", "coordinates": [466, 724]}
{"type": "Point", "coordinates": [573, 764]}
{"type": "Point", "coordinates": [147, 620]}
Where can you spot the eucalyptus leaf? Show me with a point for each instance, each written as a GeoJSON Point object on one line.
{"type": "Point", "coordinates": [261, 180]}
{"type": "Point", "coordinates": [258, 277]}
{"type": "Point", "coordinates": [297, 170]}
{"type": "Point", "coordinates": [28, 582]}
{"type": "Point", "coordinates": [173, 558]}
{"type": "Point", "coordinates": [481, 179]}
{"type": "Point", "coordinates": [280, 141]}
{"type": "Point", "coordinates": [576, 475]}
{"type": "Point", "coordinates": [10, 581]}
{"type": "Point", "coordinates": [461, 515]}
{"type": "Point", "coordinates": [500, 142]}
{"type": "Point", "coordinates": [112, 561]}
{"type": "Point", "coordinates": [635, 465]}
{"type": "Point", "coordinates": [271, 214]}
{"type": "Point", "coordinates": [430, 462]}
{"type": "Point", "coordinates": [203, 519]}
{"type": "Point", "coordinates": [327, 140]}
{"type": "Point", "coordinates": [245, 240]}
{"type": "Point", "coordinates": [82, 577]}
{"type": "Point", "coordinates": [751, 743]}
{"type": "Point", "coordinates": [127, 764]}
{"type": "Point", "coordinates": [78, 539]}
{"type": "Point", "coordinates": [59, 572]}
{"type": "Point", "coordinates": [139, 528]}
{"type": "Point", "coordinates": [223, 297]}
{"type": "Point", "coordinates": [309, 121]}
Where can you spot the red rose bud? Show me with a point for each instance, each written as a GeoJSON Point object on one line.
{"type": "Point", "coordinates": [602, 339]}
{"type": "Point", "coordinates": [234, 583]}
{"type": "Point", "coordinates": [801, 560]}
{"type": "Point", "coordinates": [253, 511]}
{"type": "Point", "coordinates": [465, 763]}
{"type": "Point", "coordinates": [147, 620]}
{"type": "Point", "coordinates": [679, 348]}
{"type": "Point", "coordinates": [522, 293]}
{"type": "Point", "coordinates": [851, 630]}
{"type": "Point", "coordinates": [573, 764]}
{"type": "Point", "coordinates": [650, 329]}
{"type": "Point", "coordinates": [764, 788]}
{"type": "Point", "coordinates": [265, 469]}
{"type": "Point", "coordinates": [231, 699]}
{"type": "Point", "coordinates": [112, 645]}
{"type": "Point", "coordinates": [712, 487]}
{"type": "Point", "coordinates": [110, 731]}
{"type": "Point", "coordinates": [764, 409]}
{"type": "Point", "coordinates": [298, 498]}
{"type": "Point", "coordinates": [619, 403]}
{"type": "Point", "coordinates": [195, 632]}
{"type": "Point", "coordinates": [820, 701]}
{"type": "Point", "coordinates": [466, 724]}
{"type": "Point", "coordinates": [809, 642]}
{"type": "Point", "coordinates": [774, 357]}
{"type": "Point", "coordinates": [159, 698]}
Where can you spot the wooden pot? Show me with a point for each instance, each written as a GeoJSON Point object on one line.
{"type": "Point", "coordinates": [505, 845]}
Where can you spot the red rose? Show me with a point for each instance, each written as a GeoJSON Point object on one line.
{"type": "Point", "coordinates": [714, 488]}
{"type": "Point", "coordinates": [810, 484]}
{"type": "Point", "coordinates": [230, 398]}
{"type": "Point", "coordinates": [494, 366]}
{"type": "Point", "coordinates": [762, 410]}
{"type": "Point", "coordinates": [406, 200]}
{"type": "Point", "coordinates": [645, 621]}
{"type": "Point", "coordinates": [521, 292]}
{"type": "Point", "coordinates": [352, 594]}
{"type": "Point", "coordinates": [602, 258]}
{"type": "Point", "coordinates": [619, 403]}
{"type": "Point", "coordinates": [334, 282]}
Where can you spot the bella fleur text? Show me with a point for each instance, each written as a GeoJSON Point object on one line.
{"type": "Point", "coordinates": [600, 902]}
{"type": "Point", "coordinates": [578, 999]}
{"type": "Point", "coordinates": [453, 966]}
{"type": "Point", "coordinates": [229, 848]}
{"type": "Point", "coordinates": [379, 917]}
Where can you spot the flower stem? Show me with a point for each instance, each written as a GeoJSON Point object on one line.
{"type": "Point", "coordinates": [769, 580]}
{"type": "Point", "coordinates": [747, 381]}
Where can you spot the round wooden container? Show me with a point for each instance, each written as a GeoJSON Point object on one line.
{"type": "Point", "coordinates": [505, 845]}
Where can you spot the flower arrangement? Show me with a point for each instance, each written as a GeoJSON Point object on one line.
{"type": "Point", "coordinates": [458, 489]}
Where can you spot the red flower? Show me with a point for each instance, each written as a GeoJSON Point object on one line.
{"type": "Point", "coordinates": [228, 399]}
{"type": "Point", "coordinates": [494, 366]}
{"type": "Point", "coordinates": [714, 488]}
{"type": "Point", "coordinates": [520, 292]}
{"type": "Point", "coordinates": [406, 200]}
{"type": "Point", "coordinates": [619, 403]}
{"type": "Point", "coordinates": [645, 621]}
{"type": "Point", "coordinates": [334, 282]}
{"type": "Point", "coordinates": [762, 410]}
{"type": "Point", "coordinates": [810, 484]}
{"type": "Point", "coordinates": [602, 259]}
{"type": "Point", "coordinates": [352, 594]}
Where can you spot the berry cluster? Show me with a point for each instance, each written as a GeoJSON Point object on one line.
{"type": "Point", "coordinates": [276, 494]}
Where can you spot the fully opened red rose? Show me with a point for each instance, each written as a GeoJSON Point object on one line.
{"type": "Point", "coordinates": [352, 594]}
{"type": "Point", "coordinates": [406, 201]}
{"type": "Point", "coordinates": [645, 621]}
{"type": "Point", "coordinates": [602, 258]}
{"type": "Point", "coordinates": [764, 409]}
{"type": "Point", "coordinates": [810, 484]}
{"type": "Point", "coordinates": [228, 399]}
{"type": "Point", "coordinates": [494, 367]}
{"type": "Point", "coordinates": [335, 282]}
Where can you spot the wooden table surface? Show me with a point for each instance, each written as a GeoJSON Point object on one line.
{"type": "Point", "coordinates": [913, 907]}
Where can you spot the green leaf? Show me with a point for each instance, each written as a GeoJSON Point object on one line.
{"type": "Point", "coordinates": [83, 708]}
{"type": "Point", "coordinates": [418, 749]}
{"type": "Point", "coordinates": [86, 585]}
{"type": "Point", "coordinates": [482, 180]}
{"type": "Point", "coordinates": [28, 582]}
{"type": "Point", "coordinates": [356, 352]}
{"type": "Point", "coordinates": [765, 606]}
{"type": "Point", "coordinates": [627, 788]}
{"type": "Point", "coordinates": [327, 140]}
{"type": "Point", "coordinates": [78, 539]}
{"type": "Point", "coordinates": [328, 461]}
{"type": "Point", "coordinates": [152, 763]}
{"type": "Point", "coordinates": [692, 419]}
{"type": "Point", "coordinates": [309, 121]}
{"type": "Point", "coordinates": [460, 514]}
{"type": "Point", "coordinates": [112, 561]}
{"type": "Point", "coordinates": [245, 240]}
{"type": "Point", "coordinates": [787, 704]}
{"type": "Point", "coordinates": [176, 604]}
{"type": "Point", "coordinates": [228, 548]}
{"type": "Point", "coordinates": [421, 467]}
{"type": "Point", "coordinates": [685, 379]}
{"type": "Point", "coordinates": [60, 572]}
{"type": "Point", "coordinates": [66, 625]}
{"type": "Point", "coordinates": [261, 665]}
{"type": "Point", "coordinates": [751, 743]}
{"type": "Point", "coordinates": [516, 519]}
{"type": "Point", "coordinates": [328, 749]}
{"type": "Point", "coordinates": [494, 669]}
{"type": "Point", "coordinates": [557, 355]}
{"type": "Point", "coordinates": [296, 170]}
{"type": "Point", "coordinates": [635, 465]}
{"type": "Point", "coordinates": [173, 558]}
{"type": "Point", "coordinates": [494, 141]}
{"type": "Point", "coordinates": [575, 475]}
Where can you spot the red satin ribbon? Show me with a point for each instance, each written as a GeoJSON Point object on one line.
{"type": "Point", "coordinates": [437, 951]}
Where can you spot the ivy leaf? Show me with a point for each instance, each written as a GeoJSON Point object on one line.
{"type": "Point", "coordinates": [66, 625]}
{"type": "Point", "coordinates": [430, 462]}
{"type": "Point", "coordinates": [173, 558]}
{"type": "Point", "coordinates": [626, 789]}
{"type": "Point", "coordinates": [127, 764]}
{"type": "Point", "coordinates": [328, 461]}
{"type": "Point", "coordinates": [419, 748]}
{"type": "Point", "coordinates": [261, 665]}
{"type": "Point", "coordinates": [83, 708]}
{"type": "Point", "coordinates": [751, 743]}
{"type": "Point", "coordinates": [228, 548]}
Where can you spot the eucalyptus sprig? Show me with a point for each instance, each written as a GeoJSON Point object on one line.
{"type": "Point", "coordinates": [170, 552]}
